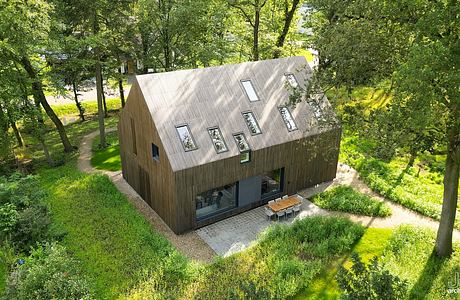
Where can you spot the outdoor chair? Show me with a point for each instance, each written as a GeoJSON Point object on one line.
{"type": "Point", "coordinates": [277, 199]}
{"type": "Point", "coordinates": [269, 213]}
{"type": "Point", "coordinates": [271, 201]}
{"type": "Point", "coordinates": [285, 196]}
{"type": "Point", "coordinates": [296, 209]}
{"type": "Point", "coordinates": [281, 213]}
{"type": "Point", "coordinates": [289, 211]}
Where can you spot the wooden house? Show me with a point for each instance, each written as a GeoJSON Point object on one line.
{"type": "Point", "coordinates": [205, 144]}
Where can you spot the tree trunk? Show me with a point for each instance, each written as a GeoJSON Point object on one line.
{"type": "Point", "coordinates": [48, 157]}
{"type": "Point", "coordinates": [39, 96]}
{"type": "Point", "coordinates": [17, 134]}
{"type": "Point", "coordinates": [100, 107]}
{"type": "Point", "coordinates": [81, 111]}
{"type": "Point", "coordinates": [120, 88]}
{"type": "Point", "coordinates": [289, 15]}
{"type": "Point", "coordinates": [450, 197]}
{"type": "Point", "coordinates": [103, 97]}
{"type": "Point", "coordinates": [255, 33]}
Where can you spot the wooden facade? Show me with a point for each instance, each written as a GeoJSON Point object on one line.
{"type": "Point", "coordinates": [309, 159]}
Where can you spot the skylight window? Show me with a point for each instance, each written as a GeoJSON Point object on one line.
{"type": "Point", "coordinates": [217, 140]}
{"type": "Point", "coordinates": [250, 91]}
{"type": "Point", "coordinates": [317, 111]}
{"type": "Point", "coordinates": [241, 142]}
{"type": "Point", "coordinates": [251, 121]}
{"type": "Point", "coordinates": [291, 80]}
{"type": "Point", "coordinates": [186, 138]}
{"type": "Point", "coordinates": [287, 118]}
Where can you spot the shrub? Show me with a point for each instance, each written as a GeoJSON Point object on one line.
{"type": "Point", "coordinates": [8, 218]}
{"type": "Point", "coordinates": [32, 227]}
{"type": "Point", "coordinates": [366, 282]}
{"type": "Point", "coordinates": [346, 199]}
{"type": "Point", "coordinates": [48, 273]}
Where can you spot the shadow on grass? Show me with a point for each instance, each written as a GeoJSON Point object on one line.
{"type": "Point", "coordinates": [107, 159]}
{"type": "Point", "coordinates": [425, 281]}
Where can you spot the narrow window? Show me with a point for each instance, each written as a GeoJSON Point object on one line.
{"type": "Point", "coordinates": [186, 138]}
{"type": "Point", "coordinates": [250, 91]}
{"type": "Point", "coordinates": [243, 147]}
{"type": "Point", "coordinates": [133, 134]}
{"type": "Point", "coordinates": [287, 118]}
{"type": "Point", "coordinates": [245, 157]}
{"type": "Point", "coordinates": [155, 152]}
{"type": "Point", "coordinates": [291, 80]}
{"type": "Point", "coordinates": [217, 140]}
{"type": "Point", "coordinates": [317, 111]}
{"type": "Point", "coordinates": [251, 122]}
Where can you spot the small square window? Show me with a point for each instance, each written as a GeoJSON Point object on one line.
{"type": "Point", "coordinates": [186, 138]}
{"type": "Point", "coordinates": [155, 152]}
{"type": "Point", "coordinates": [245, 157]}
{"type": "Point", "coordinates": [291, 80]}
{"type": "Point", "coordinates": [250, 91]}
{"type": "Point", "coordinates": [287, 118]}
{"type": "Point", "coordinates": [251, 122]}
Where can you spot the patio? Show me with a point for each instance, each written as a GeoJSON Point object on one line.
{"type": "Point", "coordinates": [236, 233]}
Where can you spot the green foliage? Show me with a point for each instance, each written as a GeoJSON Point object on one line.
{"type": "Point", "coordinates": [416, 188]}
{"type": "Point", "coordinates": [48, 273]}
{"type": "Point", "coordinates": [101, 223]}
{"type": "Point", "coordinates": [90, 107]}
{"type": "Point", "coordinates": [108, 158]}
{"type": "Point", "coordinates": [8, 217]}
{"type": "Point", "coordinates": [363, 282]}
{"type": "Point", "coordinates": [346, 199]}
{"type": "Point", "coordinates": [409, 255]}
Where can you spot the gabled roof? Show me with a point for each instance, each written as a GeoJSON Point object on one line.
{"type": "Point", "coordinates": [209, 97]}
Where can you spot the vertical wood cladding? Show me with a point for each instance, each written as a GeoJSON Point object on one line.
{"type": "Point", "coordinates": [306, 162]}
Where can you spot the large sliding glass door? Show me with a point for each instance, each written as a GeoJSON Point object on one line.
{"type": "Point", "coordinates": [216, 200]}
{"type": "Point", "coordinates": [272, 183]}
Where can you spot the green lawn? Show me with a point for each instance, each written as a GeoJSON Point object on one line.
{"type": "Point", "coordinates": [346, 199]}
{"type": "Point", "coordinates": [108, 158]}
{"type": "Point", "coordinates": [90, 107]}
{"type": "Point", "coordinates": [324, 286]}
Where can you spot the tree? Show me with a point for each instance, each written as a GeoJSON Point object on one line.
{"type": "Point", "coordinates": [415, 45]}
{"type": "Point", "coordinates": [289, 12]}
{"type": "Point", "coordinates": [24, 27]}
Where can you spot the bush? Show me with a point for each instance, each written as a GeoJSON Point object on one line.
{"type": "Point", "coordinates": [48, 273]}
{"type": "Point", "coordinates": [366, 282]}
{"type": "Point", "coordinates": [32, 226]}
{"type": "Point", "coordinates": [346, 199]}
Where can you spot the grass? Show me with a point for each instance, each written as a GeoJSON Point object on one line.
{"type": "Point", "coordinates": [346, 199]}
{"type": "Point", "coordinates": [324, 286]}
{"type": "Point", "coordinates": [3, 275]}
{"type": "Point", "coordinates": [90, 107]}
{"type": "Point", "coordinates": [108, 158]}
{"type": "Point", "coordinates": [409, 254]}
{"type": "Point", "coordinates": [114, 243]}
{"type": "Point", "coordinates": [419, 188]}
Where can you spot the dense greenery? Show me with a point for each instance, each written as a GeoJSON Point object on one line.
{"type": "Point", "coordinates": [418, 187]}
{"type": "Point", "coordinates": [107, 158]}
{"type": "Point", "coordinates": [369, 281]}
{"type": "Point", "coordinates": [48, 273]}
{"type": "Point", "coordinates": [346, 199]}
{"type": "Point", "coordinates": [412, 47]}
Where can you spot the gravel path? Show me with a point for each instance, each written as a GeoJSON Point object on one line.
{"type": "Point", "coordinates": [400, 215]}
{"type": "Point", "coordinates": [190, 244]}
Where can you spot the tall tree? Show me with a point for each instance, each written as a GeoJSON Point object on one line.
{"type": "Point", "coordinates": [24, 29]}
{"type": "Point", "coordinates": [416, 45]}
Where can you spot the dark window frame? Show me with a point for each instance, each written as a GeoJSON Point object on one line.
{"type": "Point", "coordinates": [191, 135]}
{"type": "Point", "coordinates": [133, 136]}
{"type": "Point", "coordinates": [155, 152]}
{"type": "Point", "coordinates": [222, 136]}
{"type": "Point", "coordinates": [255, 119]}
{"type": "Point", "coordinates": [281, 115]}
{"type": "Point", "coordinates": [295, 78]}
{"type": "Point", "coordinates": [253, 87]}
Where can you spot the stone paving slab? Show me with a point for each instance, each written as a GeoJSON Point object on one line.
{"type": "Point", "coordinates": [239, 232]}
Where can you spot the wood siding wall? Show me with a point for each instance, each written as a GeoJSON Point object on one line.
{"type": "Point", "coordinates": [152, 180]}
{"type": "Point", "coordinates": [307, 162]}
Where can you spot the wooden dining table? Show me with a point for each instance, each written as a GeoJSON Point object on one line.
{"type": "Point", "coordinates": [284, 203]}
